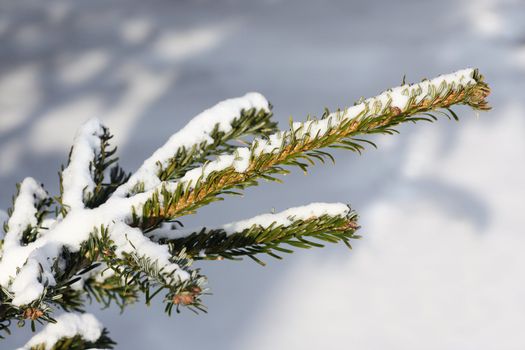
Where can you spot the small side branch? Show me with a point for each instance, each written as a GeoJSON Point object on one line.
{"type": "Point", "coordinates": [207, 134]}
{"type": "Point", "coordinates": [77, 181]}
{"type": "Point", "coordinates": [268, 233]}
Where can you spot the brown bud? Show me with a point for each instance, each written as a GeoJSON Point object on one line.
{"type": "Point", "coordinates": [176, 299]}
{"type": "Point", "coordinates": [395, 111]}
{"type": "Point", "coordinates": [33, 313]}
{"type": "Point", "coordinates": [183, 298]}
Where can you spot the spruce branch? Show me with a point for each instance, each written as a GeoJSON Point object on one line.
{"type": "Point", "coordinates": [255, 122]}
{"type": "Point", "coordinates": [207, 134]}
{"type": "Point", "coordinates": [267, 233]}
{"type": "Point", "coordinates": [92, 150]}
{"type": "Point", "coordinates": [105, 163]}
{"type": "Point", "coordinates": [104, 241]}
{"type": "Point", "coordinates": [31, 205]}
{"type": "Point", "coordinates": [132, 271]}
{"type": "Point", "coordinates": [302, 145]}
{"type": "Point", "coordinates": [76, 184]}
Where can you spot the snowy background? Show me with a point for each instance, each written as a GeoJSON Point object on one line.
{"type": "Point", "coordinates": [441, 263]}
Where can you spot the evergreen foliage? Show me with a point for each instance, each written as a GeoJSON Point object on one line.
{"type": "Point", "coordinates": [117, 265]}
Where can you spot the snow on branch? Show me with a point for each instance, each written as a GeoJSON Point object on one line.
{"type": "Point", "coordinates": [287, 217]}
{"type": "Point", "coordinates": [25, 212]}
{"type": "Point", "coordinates": [398, 100]}
{"type": "Point", "coordinates": [196, 134]}
{"type": "Point", "coordinates": [77, 178]}
{"type": "Point", "coordinates": [81, 331]}
{"type": "Point", "coordinates": [300, 146]}
{"type": "Point", "coordinates": [284, 218]}
{"type": "Point", "coordinates": [330, 222]}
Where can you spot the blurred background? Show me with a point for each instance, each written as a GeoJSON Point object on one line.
{"type": "Point", "coordinates": [441, 262]}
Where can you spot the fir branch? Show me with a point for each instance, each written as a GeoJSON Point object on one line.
{"type": "Point", "coordinates": [25, 226]}
{"type": "Point", "coordinates": [76, 179]}
{"type": "Point", "coordinates": [301, 145]}
{"type": "Point", "coordinates": [42, 270]}
{"type": "Point", "coordinates": [212, 244]}
{"type": "Point", "coordinates": [68, 269]}
{"type": "Point", "coordinates": [104, 162]}
{"type": "Point", "coordinates": [209, 133]}
{"type": "Point", "coordinates": [111, 290]}
{"type": "Point", "coordinates": [61, 295]}
{"type": "Point", "coordinates": [255, 122]}
{"type": "Point", "coordinates": [99, 162]}
{"type": "Point", "coordinates": [134, 273]}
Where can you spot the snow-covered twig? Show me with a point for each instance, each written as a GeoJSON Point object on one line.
{"type": "Point", "coordinates": [303, 141]}
{"type": "Point", "coordinates": [24, 215]}
{"type": "Point", "coordinates": [77, 178]}
{"type": "Point", "coordinates": [69, 326]}
{"type": "Point", "coordinates": [284, 218]}
{"type": "Point", "coordinates": [267, 233]}
{"type": "Point", "coordinates": [196, 134]}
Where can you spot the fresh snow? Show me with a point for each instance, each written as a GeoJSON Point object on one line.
{"type": "Point", "coordinates": [24, 212]}
{"type": "Point", "coordinates": [68, 325]}
{"type": "Point", "coordinates": [196, 132]}
{"type": "Point", "coordinates": [289, 216]}
{"type": "Point", "coordinates": [242, 159]}
{"type": "Point", "coordinates": [201, 173]}
{"type": "Point", "coordinates": [77, 177]}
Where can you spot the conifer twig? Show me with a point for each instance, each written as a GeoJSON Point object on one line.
{"type": "Point", "coordinates": [302, 144]}
{"type": "Point", "coordinates": [267, 233]}
{"type": "Point", "coordinates": [104, 240]}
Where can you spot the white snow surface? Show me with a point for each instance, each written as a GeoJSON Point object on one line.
{"type": "Point", "coordinates": [242, 159]}
{"type": "Point", "coordinates": [284, 218]}
{"type": "Point", "coordinates": [197, 131]}
{"type": "Point", "coordinates": [289, 216]}
{"type": "Point", "coordinates": [201, 173]}
{"type": "Point", "coordinates": [24, 211]}
{"type": "Point", "coordinates": [68, 325]}
{"type": "Point", "coordinates": [77, 177]}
